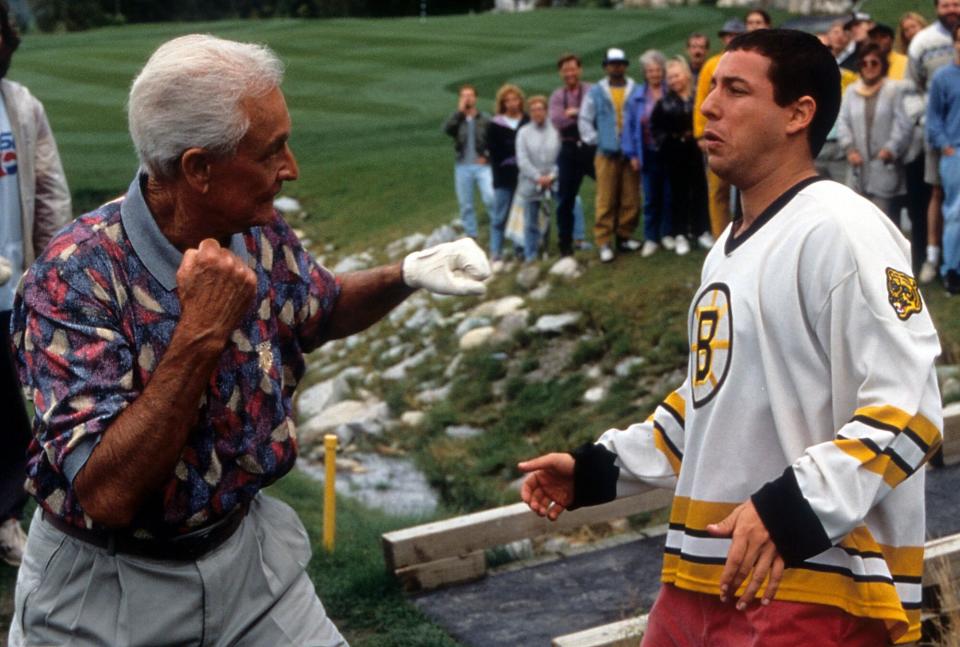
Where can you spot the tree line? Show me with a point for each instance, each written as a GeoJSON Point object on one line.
{"type": "Point", "coordinates": [77, 15]}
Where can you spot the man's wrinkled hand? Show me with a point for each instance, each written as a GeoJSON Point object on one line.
{"type": "Point", "coordinates": [216, 289]}
{"type": "Point", "coordinates": [548, 489]}
{"type": "Point", "coordinates": [751, 550]}
{"type": "Point", "coordinates": [457, 268]}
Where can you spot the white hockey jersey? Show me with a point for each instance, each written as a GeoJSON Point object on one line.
{"type": "Point", "coordinates": [811, 388]}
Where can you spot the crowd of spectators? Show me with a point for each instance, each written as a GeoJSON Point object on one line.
{"type": "Point", "coordinates": [640, 141]}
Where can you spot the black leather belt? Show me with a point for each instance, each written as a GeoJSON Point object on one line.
{"type": "Point", "coordinates": [186, 548]}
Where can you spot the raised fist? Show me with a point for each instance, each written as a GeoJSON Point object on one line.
{"type": "Point", "coordinates": [215, 288]}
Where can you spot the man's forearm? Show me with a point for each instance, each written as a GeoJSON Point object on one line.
{"type": "Point", "coordinates": [365, 298]}
{"type": "Point", "coordinates": [138, 453]}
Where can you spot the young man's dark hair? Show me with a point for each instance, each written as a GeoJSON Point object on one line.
{"type": "Point", "coordinates": [875, 50]}
{"type": "Point", "coordinates": [568, 57]}
{"type": "Point", "coordinates": [800, 65]}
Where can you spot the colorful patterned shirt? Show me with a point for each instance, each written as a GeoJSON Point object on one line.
{"type": "Point", "coordinates": [94, 316]}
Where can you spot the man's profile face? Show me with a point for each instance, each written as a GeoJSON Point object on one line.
{"type": "Point", "coordinates": [697, 51]}
{"type": "Point", "coordinates": [570, 72]}
{"type": "Point", "coordinates": [744, 123]}
{"type": "Point", "coordinates": [948, 13]}
{"type": "Point", "coordinates": [243, 186]}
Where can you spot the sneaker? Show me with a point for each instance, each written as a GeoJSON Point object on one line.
{"type": "Point", "coordinates": [606, 254]}
{"type": "Point", "coordinates": [649, 249]}
{"type": "Point", "coordinates": [669, 243]}
{"type": "Point", "coordinates": [12, 542]}
{"type": "Point", "coordinates": [628, 245]}
{"type": "Point", "coordinates": [706, 240]}
{"type": "Point", "coordinates": [951, 281]}
{"type": "Point", "coordinates": [582, 245]}
{"type": "Point", "coordinates": [683, 247]}
{"type": "Point", "coordinates": [928, 272]}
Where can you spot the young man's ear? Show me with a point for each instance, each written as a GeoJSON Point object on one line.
{"type": "Point", "coordinates": [802, 113]}
{"type": "Point", "coordinates": [195, 168]}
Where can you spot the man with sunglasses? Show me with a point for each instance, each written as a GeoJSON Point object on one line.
{"type": "Point", "coordinates": [34, 203]}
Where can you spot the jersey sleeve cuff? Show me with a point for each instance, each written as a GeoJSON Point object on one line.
{"type": "Point", "coordinates": [595, 475]}
{"type": "Point", "coordinates": [793, 525]}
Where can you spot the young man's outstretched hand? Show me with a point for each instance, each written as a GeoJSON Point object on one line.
{"type": "Point", "coordinates": [548, 488]}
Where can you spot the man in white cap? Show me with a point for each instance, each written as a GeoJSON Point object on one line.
{"type": "Point", "coordinates": [618, 185]}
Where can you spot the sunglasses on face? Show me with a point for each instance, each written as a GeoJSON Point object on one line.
{"type": "Point", "coordinates": [870, 62]}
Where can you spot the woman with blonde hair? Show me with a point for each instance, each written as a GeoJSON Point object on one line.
{"type": "Point", "coordinates": [672, 126]}
{"type": "Point", "coordinates": [501, 141]}
{"type": "Point", "coordinates": [908, 26]}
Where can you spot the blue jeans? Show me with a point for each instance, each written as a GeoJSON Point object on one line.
{"type": "Point", "coordinates": [579, 230]}
{"type": "Point", "coordinates": [465, 176]}
{"type": "Point", "coordinates": [950, 180]}
{"type": "Point", "coordinates": [532, 236]}
{"type": "Point", "coordinates": [657, 221]}
{"type": "Point", "coordinates": [502, 198]}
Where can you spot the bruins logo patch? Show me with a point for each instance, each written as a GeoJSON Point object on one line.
{"type": "Point", "coordinates": [903, 294]}
{"type": "Point", "coordinates": [711, 342]}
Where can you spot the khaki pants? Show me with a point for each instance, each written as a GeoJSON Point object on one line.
{"type": "Point", "coordinates": [252, 590]}
{"type": "Point", "coordinates": [718, 199]}
{"type": "Point", "coordinates": [618, 197]}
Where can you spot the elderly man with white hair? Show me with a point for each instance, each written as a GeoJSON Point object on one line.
{"type": "Point", "coordinates": [162, 337]}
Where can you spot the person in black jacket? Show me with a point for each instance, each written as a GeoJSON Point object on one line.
{"type": "Point", "coordinates": [672, 126]}
{"type": "Point", "coordinates": [501, 141]}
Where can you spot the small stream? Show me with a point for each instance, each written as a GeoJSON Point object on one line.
{"type": "Point", "coordinates": [391, 484]}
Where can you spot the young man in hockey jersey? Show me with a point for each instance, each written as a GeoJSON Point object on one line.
{"type": "Point", "coordinates": [796, 442]}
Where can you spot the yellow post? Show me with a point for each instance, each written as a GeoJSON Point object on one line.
{"type": "Point", "coordinates": [329, 491]}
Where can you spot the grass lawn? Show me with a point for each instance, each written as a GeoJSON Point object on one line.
{"type": "Point", "coordinates": [367, 100]}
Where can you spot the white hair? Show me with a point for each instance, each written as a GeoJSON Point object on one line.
{"type": "Point", "coordinates": [653, 57]}
{"type": "Point", "coordinates": [189, 95]}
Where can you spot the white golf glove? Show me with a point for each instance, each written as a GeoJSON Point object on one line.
{"type": "Point", "coordinates": [6, 270]}
{"type": "Point", "coordinates": [449, 268]}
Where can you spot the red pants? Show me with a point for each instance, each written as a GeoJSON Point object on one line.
{"type": "Point", "coordinates": [685, 619]}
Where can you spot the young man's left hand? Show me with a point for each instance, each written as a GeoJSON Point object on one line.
{"type": "Point", "coordinates": [751, 550]}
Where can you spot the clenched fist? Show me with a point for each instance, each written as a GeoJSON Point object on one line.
{"type": "Point", "coordinates": [449, 268]}
{"type": "Point", "coordinates": [216, 289]}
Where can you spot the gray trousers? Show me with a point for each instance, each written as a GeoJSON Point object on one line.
{"type": "Point", "coordinates": [250, 591]}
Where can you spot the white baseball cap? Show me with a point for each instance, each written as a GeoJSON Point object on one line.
{"type": "Point", "coordinates": [615, 55]}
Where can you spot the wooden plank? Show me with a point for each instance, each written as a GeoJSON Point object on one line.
{"type": "Point", "coordinates": [451, 570]}
{"type": "Point", "coordinates": [951, 433]}
{"type": "Point", "coordinates": [625, 633]}
{"type": "Point", "coordinates": [942, 553]}
{"type": "Point", "coordinates": [488, 528]}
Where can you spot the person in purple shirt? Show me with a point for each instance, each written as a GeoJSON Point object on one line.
{"type": "Point", "coordinates": [161, 338]}
{"type": "Point", "coordinates": [576, 158]}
